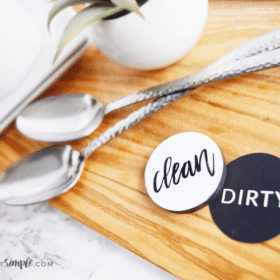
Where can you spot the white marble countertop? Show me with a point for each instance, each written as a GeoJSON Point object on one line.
{"type": "Point", "coordinates": [59, 247]}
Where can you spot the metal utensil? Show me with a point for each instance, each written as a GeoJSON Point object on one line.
{"type": "Point", "coordinates": [49, 172]}
{"type": "Point", "coordinates": [67, 117]}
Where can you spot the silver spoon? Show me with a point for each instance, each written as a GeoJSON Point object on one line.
{"type": "Point", "coordinates": [68, 117]}
{"type": "Point", "coordinates": [47, 173]}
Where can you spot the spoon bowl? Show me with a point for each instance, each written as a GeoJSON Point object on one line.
{"type": "Point", "coordinates": [60, 118]}
{"type": "Point", "coordinates": [41, 175]}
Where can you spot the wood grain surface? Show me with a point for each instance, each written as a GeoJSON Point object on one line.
{"type": "Point", "coordinates": [240, 114]}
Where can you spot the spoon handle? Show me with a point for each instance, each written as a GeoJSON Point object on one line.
{"type": "Point", "coordinates": [218, 71]}
{"type": "Point", "coordinates": [231, 64]}
{"type": "Point", "coordinates": [132, 119]}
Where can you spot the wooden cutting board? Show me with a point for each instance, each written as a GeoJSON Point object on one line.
{"type": "Point", "coordinates": [242, 115]}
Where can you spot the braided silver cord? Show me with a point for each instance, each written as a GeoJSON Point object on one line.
{"type": "Point", "coordinates": [250, 64]}
{"type": "Point", "coordinates": [132, 119]}
{"type": "Point", "coordinates": [253, 56]}
{"type": "Point", "coordinates": [254, 48]}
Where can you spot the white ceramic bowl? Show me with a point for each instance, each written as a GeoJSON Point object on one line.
{"type": "Point", "coordinates": [169, 31]}
{"type": "Point", "coordinates": [20, 46]}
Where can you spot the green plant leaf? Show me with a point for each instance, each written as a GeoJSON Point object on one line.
{"type": "Point", "coordinates": [130, 5]}
{"type": "Point", "coordinates": [81, 20]}
{"type": "Point", "coordinates": [60, 5]}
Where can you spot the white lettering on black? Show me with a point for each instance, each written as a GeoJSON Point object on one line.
{"type": "Point", "coordinates": [229, 197]}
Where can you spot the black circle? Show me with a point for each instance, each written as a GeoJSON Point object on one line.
{"type": "Point", "coordinates": [254, 215]}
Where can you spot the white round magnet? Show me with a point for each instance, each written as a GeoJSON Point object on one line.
{"type": "Point", "coordinates": [185, 172]}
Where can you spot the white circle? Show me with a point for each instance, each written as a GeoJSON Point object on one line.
{"type": "Point", "coordinates": [185, 172]}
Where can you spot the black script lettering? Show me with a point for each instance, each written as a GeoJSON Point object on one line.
{"type": "Point", "coordinates": [165, 172]}
{"type": "Point", "coordinates": [185, 171]}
